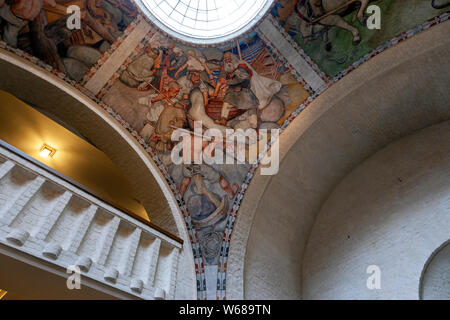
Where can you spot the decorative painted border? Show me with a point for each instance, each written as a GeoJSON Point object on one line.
{"type": "Point", "coordinates": [297, 76]}
{"type": "Point", "coordinates": [105, 56]}
{"type": "Point", "coordinates": [328, 81]}
{"type": "Point", "coordinates": [138, 50]}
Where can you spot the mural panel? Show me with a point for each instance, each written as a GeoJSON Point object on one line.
{"type": "Point", "coordinates": [169, 85]}
{"type": "Point", "coordinates": [335, 41]}
{"type": "Point", "coordinates": [39, 27]}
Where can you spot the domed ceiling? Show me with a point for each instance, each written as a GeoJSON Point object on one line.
{"type": "Point", "coordinates": [205, 21]}
{"type": "Point", "coordinates": [130, 61]}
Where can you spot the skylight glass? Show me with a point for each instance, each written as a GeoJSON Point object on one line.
{"type": "Point", "coordinates": [205, 21]}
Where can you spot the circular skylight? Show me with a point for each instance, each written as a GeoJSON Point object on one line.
{"type": "Point", "coordinates": [205, 21]}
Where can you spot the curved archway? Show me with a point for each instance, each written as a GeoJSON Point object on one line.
{"type": "Point", "coordinates": [374, 105]}
{"type": "Point", "coordinates": [434, 281]}
{"type": "Point", "coordinates": [57, 97]}
{"type": "Point", "coordinates": [50, 93]}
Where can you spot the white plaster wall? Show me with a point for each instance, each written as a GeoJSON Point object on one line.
{"type": "Point", "coordinates": [392, 211]}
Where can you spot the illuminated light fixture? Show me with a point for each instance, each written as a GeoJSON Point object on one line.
{"type": "Point", "coordinates": [47, 151]}
{"type": "Point", "coordinates": [2, 293]}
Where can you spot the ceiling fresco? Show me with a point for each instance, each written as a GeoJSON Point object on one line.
{"type": "Point", "coordinates": [146, 81]}
{"type": "Point", "coordinates": [337, 43]}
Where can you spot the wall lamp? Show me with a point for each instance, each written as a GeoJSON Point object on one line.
{"type": "Point", "coordinates": [47, 151]}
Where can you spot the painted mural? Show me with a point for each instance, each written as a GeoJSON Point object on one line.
{"type": "Point", "coordinates": [169, 85]}
{"type": "Point", "coordinates": [161, 85]}
{"type": "Point", "coordinates": [335, 41]}
{"type": "Point", "coordinates": [39, 27]}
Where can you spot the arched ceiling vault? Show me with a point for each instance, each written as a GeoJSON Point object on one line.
{"type": "Point", "coordinates": [394, 94]}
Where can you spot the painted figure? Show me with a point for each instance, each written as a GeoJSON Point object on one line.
{"type": "Point", "coordinates": [18, 15]}
{"type": "Point", "coordinates": [141, 72]}
{"type": "Point", "coordinates": [313, 18]}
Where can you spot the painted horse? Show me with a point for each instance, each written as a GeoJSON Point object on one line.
{"type": "Point", "coordinates": [313, 18]}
